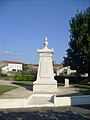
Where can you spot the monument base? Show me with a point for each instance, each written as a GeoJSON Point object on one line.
{"type": "Point", "coordinates": [45, 87]}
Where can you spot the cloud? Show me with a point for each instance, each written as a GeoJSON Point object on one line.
{"type": "Point", "coordinates": [11, 53]}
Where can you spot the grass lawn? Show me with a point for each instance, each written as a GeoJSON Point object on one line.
{"type": "Point", "coordinates": [23, 82]}
{"type": "Point", "coordinates": [83, 88]}
{"type": "Point", "coordinates": [60, 84]}
{"type": "Point", "coordinates": [31, 83]}
{"type": "Point", "coordinates": [5, 88]}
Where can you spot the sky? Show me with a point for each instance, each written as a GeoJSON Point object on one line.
{"type": "Point", "coordinates": [25, 23]}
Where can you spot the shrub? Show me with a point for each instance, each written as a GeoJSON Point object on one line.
{"type": "Point", "coordinates": [24, 78]}
{"type": "Point", "coordinates": [3, 75]}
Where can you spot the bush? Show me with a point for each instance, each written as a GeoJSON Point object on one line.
{"type": "Point", "coordinates": [24, 78]}
{"type": "Point", "coordinates": [3, 75]}
{"type": "Point", "coordinates": [85, 81]}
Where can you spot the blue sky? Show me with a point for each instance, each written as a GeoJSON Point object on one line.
{"type": "Point", "coordinates": [25, 23]}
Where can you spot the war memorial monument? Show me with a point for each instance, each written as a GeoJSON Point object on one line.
{"type": "Point", "coordinates": [45, 77]}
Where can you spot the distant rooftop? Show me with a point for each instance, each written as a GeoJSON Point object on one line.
{"type": "Point", "coordinates": [13, 62]}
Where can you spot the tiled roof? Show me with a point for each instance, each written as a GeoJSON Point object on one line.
{"type": "Point", "coordinates": [13, 62]}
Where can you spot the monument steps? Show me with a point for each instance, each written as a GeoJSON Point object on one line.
{"type": "Point", "coordinates": [41, 101]}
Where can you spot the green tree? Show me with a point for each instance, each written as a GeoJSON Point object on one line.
{"type": "Point", "coordinates": [24, 66]}
{"type": "Point", "coordinates": [78, 53]}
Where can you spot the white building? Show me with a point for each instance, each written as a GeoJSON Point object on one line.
{"type": "Point", "coordinates": [8, 66]}
{"type": "Point", "coordinates": [65, 71]}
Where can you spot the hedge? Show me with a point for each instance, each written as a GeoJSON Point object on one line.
{"type": "Point", "coordinates": [3, 75]}
{"type": "Point", "coordinates": [72, 79]}
{"type": "Point", "coordinates": [24, 77]}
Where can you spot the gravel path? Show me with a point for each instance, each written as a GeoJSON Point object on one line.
{"type": "Point", "coordinates": [7, 82]}
{"type": "Point", "coordinates": [19, 92]}
{"type": "Point", "coordinates": [25, 91]}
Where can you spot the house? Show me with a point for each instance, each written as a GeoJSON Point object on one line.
{"type": "Point", "coordinates": [65, 71]}
{"type": "Point", "coordinates": [56, 67]}
{"type": "Point", "coordinates": [9, 66]}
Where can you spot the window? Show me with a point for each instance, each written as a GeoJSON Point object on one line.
{"type": "Point", "coordinates": [65, 71]}
{"type": "Point", "coordinates": [13, 69]}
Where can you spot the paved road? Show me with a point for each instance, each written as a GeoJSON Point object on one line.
{"type": "Point", "coordinates": [59, 113]}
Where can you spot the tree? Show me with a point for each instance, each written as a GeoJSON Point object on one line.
{"type": "Point", "coordinates": [78, 53]}
{"type": "Point", "coordinates": [24, 66]}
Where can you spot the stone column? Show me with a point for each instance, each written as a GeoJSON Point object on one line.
{"type": "Point", "coordinates": [66, 82]}
{"type": "Point", "coordinates": [45, 77]}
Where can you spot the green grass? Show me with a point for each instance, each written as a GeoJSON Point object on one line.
{"type": "Point", "coordinates": [23, 82]}
{"type": "Point", "coordinates": [60, 84]}
{"type": "Point", "coordinates": [83, 88]}
{"type": "Point", "coordinates": [31, 83]}
{"type": "Point", "coordinates": [5, 88]}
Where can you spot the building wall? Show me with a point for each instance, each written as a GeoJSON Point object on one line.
{"type": "Point", "coordinates": [12, 67]}
{"type": "Point", "coordinates": [4, 69]}
{"type": "Point", "coordinates": [65, 70]}
{"type": "Point", "coordinates": [16, 67]}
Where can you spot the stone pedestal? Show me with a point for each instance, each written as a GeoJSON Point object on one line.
{"type": "Point", "coordinates": [66, 82]}
{"type": "Point", "coordinates": [45, 77]}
